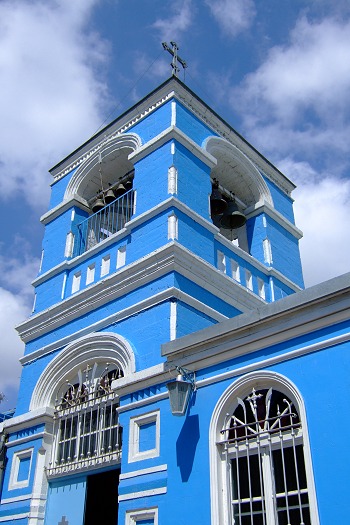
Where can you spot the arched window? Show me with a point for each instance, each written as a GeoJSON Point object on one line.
{"type": "Point", "coordinates": [263, 443]}
{"type": "Point", "coordinates": [260, 466]}
{"type": "Point", "coordinates": [86, 423]}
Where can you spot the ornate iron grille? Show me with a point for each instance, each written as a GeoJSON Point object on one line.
{"type": "Point", "coordinates": [86, 424]}
{"type": "Point", "coordinates": [103, 223]}
{"type": "Point", "coordinates": [263, 447]}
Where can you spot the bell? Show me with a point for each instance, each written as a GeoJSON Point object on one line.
{"type": "Point", "coordinates": [120, 190]}
{"type": "Point", "coordinates": [217, 204]}
{"type": "Point", "coordinates": [109, 197]}
{"type": "Point", "coordinates": [232, 218]}
{"type": "Point", "coordinates": [98, 205]}
{"type": "Point", "coordinates": [128, 185]}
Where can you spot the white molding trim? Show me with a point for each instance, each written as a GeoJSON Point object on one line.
{"type": "Point", "coordinates": [236, 372]}
{"type": "Point", "coordinates": [174, 202]}
{"type": "Point", "coordinates": [266, 363]}
{"type": "Point", "coordinates": [228, 398]}
{"type": "Point", "coordinates": [102, 346]}
{"type": "Point", "coordinates": [174, 133]}
{"type": "Point", "coordinates": [34, 418]}
{"type": "Point", "coordinates": [116, 129]}
{"type": "Point", "coordinates": [135, 309]}
{"type": "Point", "coordinates": [220, 127]}
{"type": "Point", "coordinates": [63, 206]}
{"type": "Point", "coordinates": [248, 341]}
{"type": "Point", "coordinates": [143, 494]}
{"type": "Point", "coordinates": [267, 270]}
{"type": "Point", "coordinates": [172, 90]}
{"type": "Point", "coordinates": [14, 483]}
{"type": "Point", "coordinates": [159, 373]}
{"type": "Point", "coordinates": [276, 216]}
{"type": "Point", "coordinates": [170, 257]}
{"type": "Point", "coordinates": [133, 517]}
{"type": "Point", "coordinates": [311, 309]}
{"type": "Point", "coordinates": [143, 471]}
{"type": "Point", "coordinates": [121, 234]}
{"type": "Point", "coordinates": [218, 146]}
{"type": "Point", "coordinates": [14, 517]}
{"type": "Point", "coordinates": [109, 146]}
{"type": "Point", "coordinates": [142, 402]}
{"type": "Point", "coordinates": [25, 497]}
{"type": "Point", "coordinates": [135, 425]}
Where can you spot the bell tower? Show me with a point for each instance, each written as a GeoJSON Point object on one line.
{"type": "Point", "coordinates": [162, 224]}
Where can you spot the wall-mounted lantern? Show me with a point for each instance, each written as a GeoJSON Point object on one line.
{"type": "Point", "coordinates": [180, 391]}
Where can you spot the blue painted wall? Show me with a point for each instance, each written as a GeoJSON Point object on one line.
{"type": "Point", "coordinates": [191, 125]}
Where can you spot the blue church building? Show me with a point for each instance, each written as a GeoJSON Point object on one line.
{"type": "Point", "coordinates": [175, 370]}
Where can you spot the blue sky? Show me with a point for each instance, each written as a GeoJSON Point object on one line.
{"type": "Point", "coordinates": [276, 70]}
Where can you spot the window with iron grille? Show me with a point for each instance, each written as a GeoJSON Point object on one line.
{"type": "Point", "coordinates": [263, 446]}
{"type": "Point", "coordinates": [86, 428]}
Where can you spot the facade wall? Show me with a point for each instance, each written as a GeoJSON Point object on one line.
{"type": "Point", "coordinates": [129, 300]}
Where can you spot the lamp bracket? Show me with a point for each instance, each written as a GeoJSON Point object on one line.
{"type": "Point", "coordinates": [188, 375]}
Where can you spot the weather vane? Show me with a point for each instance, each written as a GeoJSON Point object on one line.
{"type": "Point", "coordinates": [175, 56]}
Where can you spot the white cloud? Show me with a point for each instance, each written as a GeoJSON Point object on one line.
{"type": "Point", "coordinates": [233, 16]}
{"type": "Point", "coordinates": [321, 206]}
{"type": "Point", "coordinates": [13, 310]}
{"type": "Point", "coordinates": [309, 74]}
{"type": "Point", "coordinates": [16, 299]}
{"type": "Point", "coordinates": [50, 88]}
{"type": "Point", "coordinates": [295, 107]}
{"type": "Point", "coordinates": [299, 95]}
{"type": "Point", "coordinates": [17, 273]}
{"type": "Point", "coordinates": [15, 306]}
{"type": "Point", "coordinates": [179, 21]}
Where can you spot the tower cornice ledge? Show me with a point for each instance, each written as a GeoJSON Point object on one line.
{"type": "Point", "coordinates": [172, 88]}
{"type": "Point", "coordinates": [172, 257]}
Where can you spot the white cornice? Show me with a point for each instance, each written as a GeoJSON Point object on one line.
{"type": "Point", "coordinates": [34, 418]}
{"type": "Point", "coordinates": [122, 125]}
{"type": "Point", "coordinates": [68, 264]}
{"type": "Point", "coordinates": [220, 127]}
{"type": "Point", "coordinates": [170, 258]}
{"type": "Point", "coordinates": [313, 309]}
{"type": "Point", "coordinates": [160, 208]}
{"type": "Point", "coordinates": [172, 132]}
{"type": "Point", "coordinates": [246, 334]}
{"type": "Point", "coordinates": [133, 223]}
{"type": "Point", "coordinates": [160, 96]}
{"type": "Point", "coordinates": [260, 364]}
{"type": "Point", "coordinates": [276, 216]}
{"type": "Point", "coordinates": [135, 309]}
{"type": "Point", "coordinates": [63, 207]}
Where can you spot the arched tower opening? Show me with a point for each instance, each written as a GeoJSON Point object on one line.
{"type": "Point", "coordinates": [240, 184]}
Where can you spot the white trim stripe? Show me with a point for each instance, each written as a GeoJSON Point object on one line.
{"type": "Point", "coordinates": [147, 303]}
{"type": "Point", "coordinates": [14, 517]}
{"type": "Point", "coordinates": [143, 494]}
{"type": "Point", "coordinates": [143, 472]}
{"type": "Point", "coordinates": [16, 498]}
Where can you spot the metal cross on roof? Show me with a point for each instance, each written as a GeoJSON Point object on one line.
{"type": "Point", "coordinates": [63, 521]}
{"type": "Point", "coordinates": [176, 58]}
